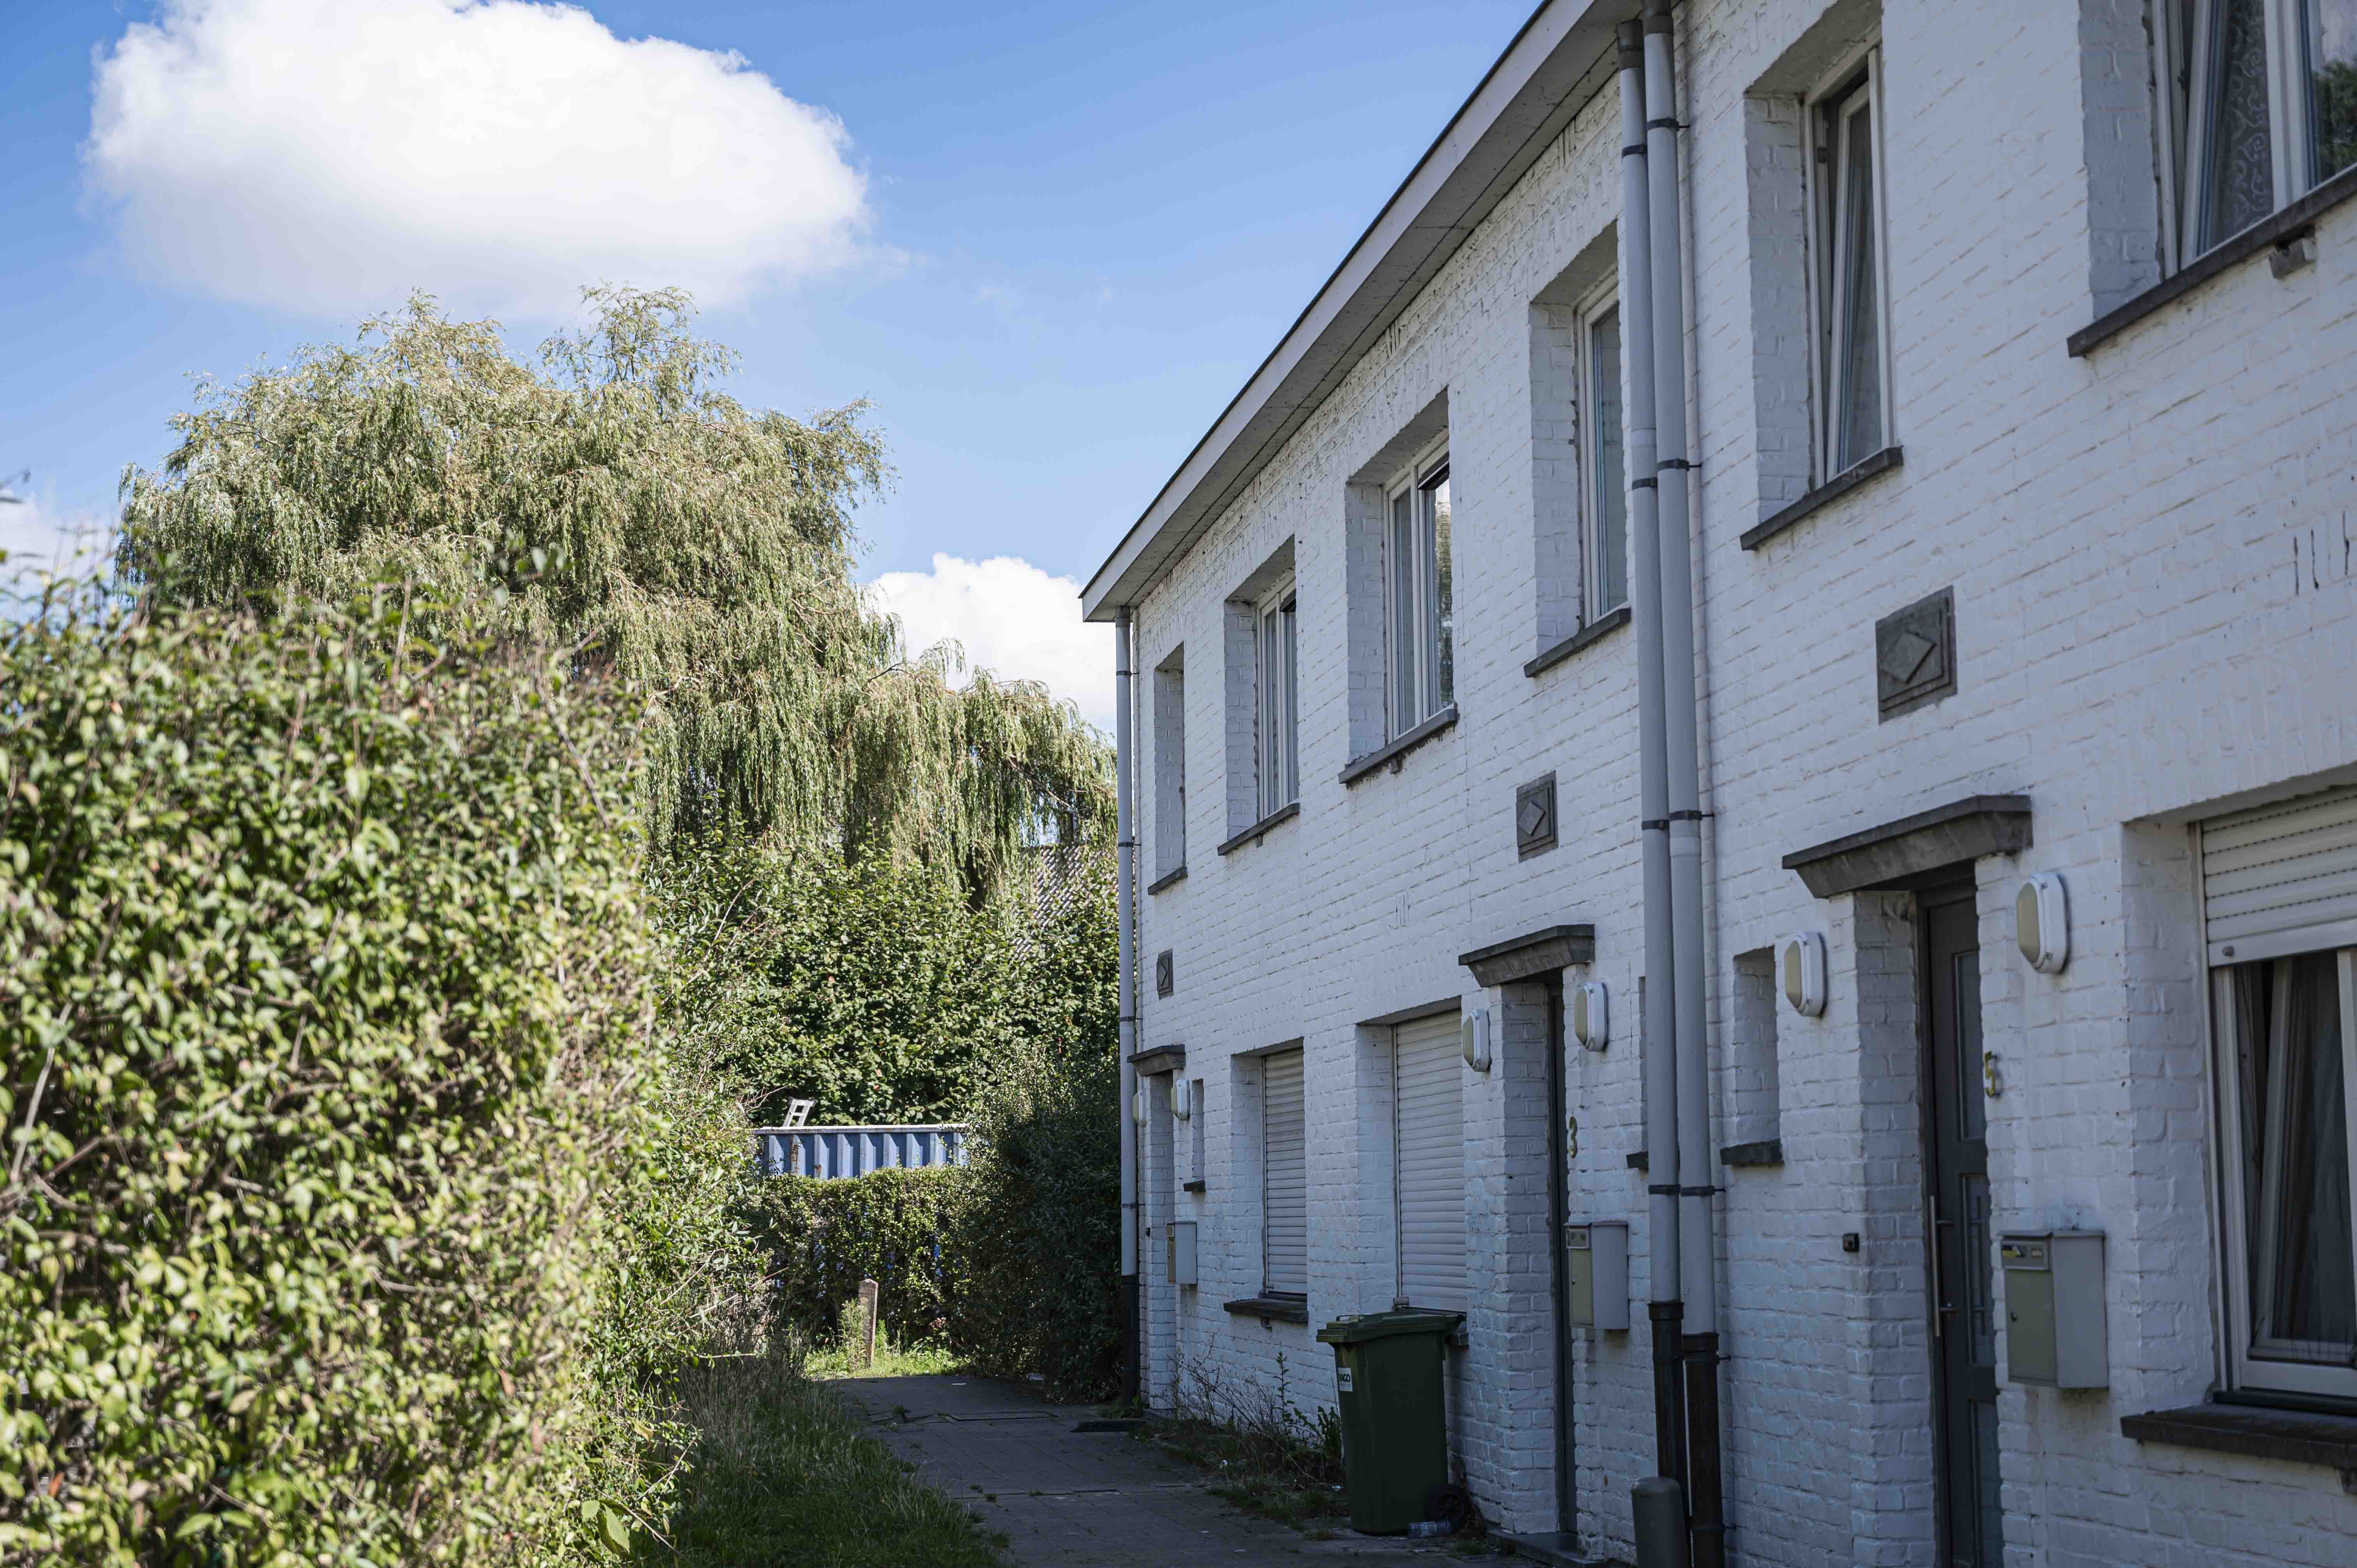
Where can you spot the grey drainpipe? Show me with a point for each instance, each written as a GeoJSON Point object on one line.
{"type": "Point", "coordinates": [1698, 1271]}
{"type": "Point", "coordinates": [1124, 876]}
{"type": "Point", "coordinates": [1657, 1046]}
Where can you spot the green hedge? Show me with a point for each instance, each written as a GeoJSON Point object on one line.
{"type": "Point", "coordinates": [901, 1227]}
{"type": "Point", "coordinates": [1012, 1262]}
{"type": "Point", "coordinates": [328, 1014]}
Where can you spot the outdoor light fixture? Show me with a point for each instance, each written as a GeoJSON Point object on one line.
{"type": "Point", "coordinates": [1477, 1039]}
{"type": "Point", "coordinates": [2041, 922]}
{"type": "Point", "coordinates": [1801, 966]}
{"type": "Point", "coordinates": [1137, 1104]}
{"type": "Point", "coordinates": [1591, 1015]}
{"type": "Point", "coordinates": [1183, 1098]}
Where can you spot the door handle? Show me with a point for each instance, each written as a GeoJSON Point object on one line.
{"type": "Point", "coordinates": [1940, 1309]}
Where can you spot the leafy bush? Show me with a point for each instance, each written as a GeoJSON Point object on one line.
{"type": "Point", "coordinates": [1028, 1236]}
{"type": "Point", "coordinates": [1041, 1227]}
{"type": "Point", "coordinates": [328, 1011]}
{"type": "Point", "coordinates": [899, 1228]}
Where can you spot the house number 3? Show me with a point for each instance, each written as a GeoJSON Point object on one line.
{"type": "Point", "coordinates": [1989, 1078]}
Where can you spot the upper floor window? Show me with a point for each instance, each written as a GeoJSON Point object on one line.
{"type": "Point", "coordinates": [1170, 764]}
{"type": "Point", "coordinates": [1419, 640]}
{"type": "Point", "coordinates": [2263, 107]}
{"type": "Point", "coordinates": [1278, 701]}
{"type": "Point", "coordinates": [1852, 333]}
{"type": "Point", "coordinates": [1606, 546]}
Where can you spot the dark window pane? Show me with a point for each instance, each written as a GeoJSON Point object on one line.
{"type": "Point", "coordinates": [1860, 415]}
{"type": "Point", "coordinates": [1440, 617]}
{"type": "Point", "coordinates": [2333, 83]}
{"type": "Point", "coordinates": [1609, 489]}
{"type": "Point", "coordinates": [2303, 1278]}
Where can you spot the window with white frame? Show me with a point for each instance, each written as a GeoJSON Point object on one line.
{"type": "Point", "coordinates": [2262, 108]}
{"type": "Point", "coordinates": [2279, 885]}
{"type": "Point", "coordinates": [1419, 641]}
{"type": "Point", "coordinates": [1851, 336]}
{"type": "Point", "coordinates": [1605, 511]}
{"type": "Point", "coordinates": [1276, 702]}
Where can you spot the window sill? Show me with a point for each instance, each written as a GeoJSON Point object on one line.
{"type": "Point", "coordinates": [1824, 496]}
{"type": "Point", "coordinates": [2268, 234]}
{"type": "Point", "coordinates": [2258, 1432]}
{"type": "Point", "coordinates": [1259, 830]}
{"type": "Point", "coordinates": [1391, 755]}
{"type": "Point", "coordinates": [1272, 1309]}
{"type": "Point", "coordinates": [1167, 879]}
{"type": "Point", "coordinates": [1596, 630]}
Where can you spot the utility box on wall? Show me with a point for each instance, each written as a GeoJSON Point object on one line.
{"type": "Point", "coordinates": [1182, 1252]}
{"type": "Point", "coordinates": [2054, 1335]}
{"type": "Point", "coordinates": [1596, 1274]}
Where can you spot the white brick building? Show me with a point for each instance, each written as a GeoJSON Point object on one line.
{"type": "Point", "coordinates": [2024, 424]}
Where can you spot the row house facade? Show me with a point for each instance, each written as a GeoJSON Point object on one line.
{"type": "Point", "coordinates": [2020, 346]}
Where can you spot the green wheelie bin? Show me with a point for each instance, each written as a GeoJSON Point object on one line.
{"type": "Point", "coordinates": [1394, 1424]}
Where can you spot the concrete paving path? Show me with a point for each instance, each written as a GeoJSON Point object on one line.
{"type": "Point", "coordinates": [1069, 1499]}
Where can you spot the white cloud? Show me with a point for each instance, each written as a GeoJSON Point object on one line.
{"type": "Point", "coordinates": [496, 152]}
{"type": "Point", "coordinates": [1013, 620]}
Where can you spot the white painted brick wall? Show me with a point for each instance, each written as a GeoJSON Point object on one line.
{"type": "Point", "coordinates": [2156, 606]}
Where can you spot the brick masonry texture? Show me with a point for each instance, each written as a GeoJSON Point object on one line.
{"type": "Point", "coordinates": [2155, 614]}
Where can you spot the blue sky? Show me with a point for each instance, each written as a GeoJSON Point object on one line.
{"type": "Point", "coordinates": [1076, 227]}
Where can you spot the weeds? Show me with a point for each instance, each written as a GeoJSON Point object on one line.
{"type": "Point", "coordinates": [1269, 1458]}
{"type": "Point", "coordinates": [780, 1473]}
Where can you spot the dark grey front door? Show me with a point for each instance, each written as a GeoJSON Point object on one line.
{"type": "Point", "coordinates": [1964, 1319]}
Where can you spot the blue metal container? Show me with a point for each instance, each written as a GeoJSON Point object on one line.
{"type": "Point", "coordinates": [835, 1153]}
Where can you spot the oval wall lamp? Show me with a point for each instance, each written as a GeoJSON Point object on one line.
{"type": "Point", "coordinates": [1591, 1015]}
{"type": "Point", "coordinates": [2041, 922]}
{"type": "Point", "coordinates": [1477, 1039]}
{"type": "Point", "coordinates": [1800, 970]}
{"type": "Point", "coordinates": [1182, 1097]}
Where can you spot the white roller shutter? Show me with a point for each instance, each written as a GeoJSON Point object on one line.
{"type": "Point", "coordinates": [1285, 1179]}
{"type": "Point", "coordinates": [2281, 880]}
{"type": "Point", "coordinates": [1428, 1087]}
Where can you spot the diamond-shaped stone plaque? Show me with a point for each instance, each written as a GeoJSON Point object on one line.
{"type": "Point", "coordinates": [1534, 817]}
{"type": "Point", "coordinates": [1915, 654]}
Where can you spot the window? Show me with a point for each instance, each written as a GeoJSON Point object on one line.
{"type": "Point", "coordinates": [2280, 892]}
{"type": "Point", "coordinates": [1170, 765]}
{"type": "Point", "coordinates": [1196, 1170]}
{"type": "Point", "coordinates": [2262, 108]}
{"type": "Point", "coordinates": [2292, 1024]}
{"type": "Point", "coordinates": [1419, 649]}
{"type": "Point", "coordinates": [1605, 541]}
{"type": "Point", "coordinates": [1276, 725]}
{"type": "Point", "coordinates": [1851, 334]}
{"type": "Point", "coordinates": [1428, 1160]}
{"type": "Point", "coordinates": [1284, 1178]}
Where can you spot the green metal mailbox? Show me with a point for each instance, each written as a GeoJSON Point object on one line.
{"type": "Point", "coordinates": [1387, 1378]}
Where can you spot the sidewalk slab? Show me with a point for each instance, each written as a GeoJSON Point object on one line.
{"type": "Point", "coordinates": [1067, 1499]}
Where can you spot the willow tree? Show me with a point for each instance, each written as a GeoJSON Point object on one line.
{"type": "Point", "coordinates": [614, 498]}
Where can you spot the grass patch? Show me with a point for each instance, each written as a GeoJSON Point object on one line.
{"type": "Point", "coordinates": [780, 1474]}
{"type": "Point", "coordinates": [891, 1361]}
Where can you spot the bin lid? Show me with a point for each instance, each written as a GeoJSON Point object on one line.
{"type": "Point", "coordinates": [1358, 1330]}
